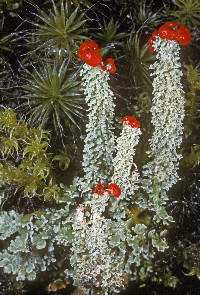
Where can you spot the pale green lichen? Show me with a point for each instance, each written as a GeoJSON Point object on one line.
{"type": "Point", "coordinates": [100, 140]}
{"type": "Point", "coordinates": [94, 258]}
{"type": "Point", "coordinates": [126, 174]}
{"type": "Point", "coordinates": [160, 173]}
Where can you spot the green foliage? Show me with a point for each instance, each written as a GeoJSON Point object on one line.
{"type": "Point", "coordinates": [4, 41]}
{"type": "Point", "coordinates": [192, 102]}
{"type": "Point", "coordinates": [193, 159]}
{"type": "Point", "coordinates": [75, 3]}
{"type": "Point", "coordinates": [145, 245]}
{"type": "Point", "coordinates": [5, 74]}
{"type": "Point", "coordinates": [33, 171]}
{"type": "Point", "coordinates": [164, 275]}
{"type": "Point", "coordinates": [145, 17]}
{"type": "Point", "coordinates": [187, 12]}
{"type": "Point", "coordinates": [191, 256]}
{"type": "Point", "coordinates": [53, 94]}
{"type": "Point", "coordinates": [138, 59]}
{"type": "Point", "coordinates": [60, 31]}
{"type": "Point", "coordinates": [141, 104]}
{"type": "Point", "coordinates": [109, 36]}
{"type": "Point", "coordinates": [21, 259]}
{"type": "Point", "coordinates": [193, 77]}
{"type": "Point", "coordinates": [63, 157]}
{"type": "Point", "coordinates": [191, 150]}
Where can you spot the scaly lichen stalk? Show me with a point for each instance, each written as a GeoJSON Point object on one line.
{"type": "Point", "coordinates": [125, 170]}
{"type": "Point", "coordinates": [93, 259]}
{"type": "Point", "coordinates": [99, 142]}
{"type": "Point", "coordinates": [167, 117]}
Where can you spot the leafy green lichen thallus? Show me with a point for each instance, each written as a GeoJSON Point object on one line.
{"type": "Point", "coordinates": [24, 257]}
{"type": "Point", "coordinates": [33, 248]}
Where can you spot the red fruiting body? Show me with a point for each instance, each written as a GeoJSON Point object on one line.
{"type": "Point", "coordinates": [111, 62]}
{"type": "Point", "coordinates": [163, 32]}
{"type": "Point", "coordinates": [151, 49]}
{"type": "Point", "coordinates": [99, 189]}
{"type": "Point", "coordinates": [116, 191]}
{"type": "Point", "coordinates": [168, 31]}
{"type": "Point", "coordinates": [89, 52]}
{"type": "Point", "coordinates": [113, 189]}
{"type": "Point", "coordinates": [112, 69]}
{"type": "Point", "coordinates": [183, 35]}
{"type": "Point", "coordinates": [85, 46]}
{"type": "Point", "coordinates": [154, 34]}
{"type": "Point", "coordinates": [92, 57]}
{"type": "Point", "coordinates": [135, 124]}
{"type": "Point", "coordinates": [171, 24]}
{"type": "Point", "coordinates": [171, 31]}
{"type": "Point", "coordinates": [128, 118]}
{"type": "Point", "coordinates": [151, 40]}
{"type": "Point", "coordinates": [171, 35]}
{"type": "Point", "coordinates": [104, 68]}
{"type": "Point", "coordinates": [131, 121]}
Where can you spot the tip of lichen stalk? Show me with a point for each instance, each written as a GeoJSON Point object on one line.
{"type": "Point", "coordinates": [131, 121]}
{"type": "Point", "coordinates": [171, 31]}
{"type": "Point", "coordinates": [89, 52]}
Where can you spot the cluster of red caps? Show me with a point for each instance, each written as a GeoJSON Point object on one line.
{"type": "Point", "coordinates": [113, 189]}
{"type": "Point", "coordinates": [171, 31]}
{"type": "Point", "coordinates": [131, 121]}
{"type": "Point", "coordinates": [111, 66]}
{"type": "Point", "coordinates": [89, 52]}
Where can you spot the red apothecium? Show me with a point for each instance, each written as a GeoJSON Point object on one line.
{"type": "Point", "coordinates": [115, 190]}
{"type": "Point", "coordinates": [131, 121]}
{"type": "Point", "coordinates": [171, 31]}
